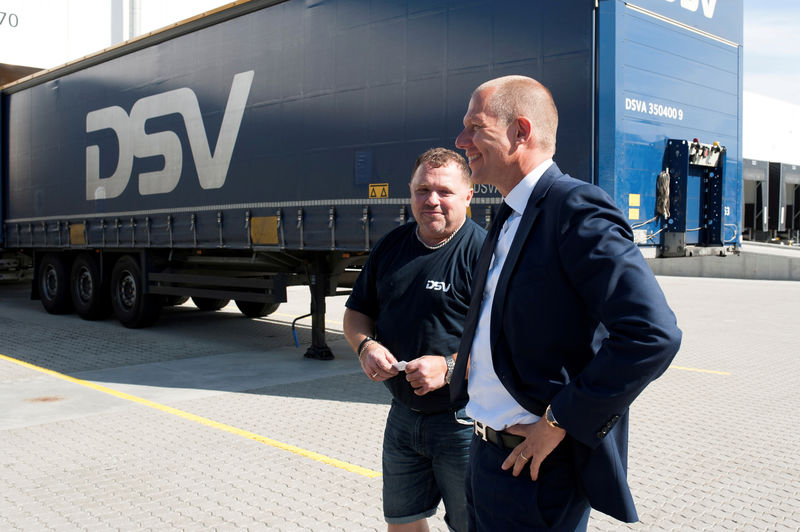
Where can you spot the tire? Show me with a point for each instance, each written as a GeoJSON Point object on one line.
{"type": "Point", "coordinates": [53, 283]}
{"type": "Point", "coordinates": [174, 301]}
{"type": "Point", "coordinates": [89, 293]}
{"type": "Point", "coordinates": [133, 308]}
{"type": "Point", "coordinates": [252, 309]}
{"type": "Point", "coordinates": [207, 303]}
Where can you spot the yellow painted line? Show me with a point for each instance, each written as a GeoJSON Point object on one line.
{"type": "Point", "coordinates": [698, 370]}
{"type": "Point", "coordinates": [204, 421]}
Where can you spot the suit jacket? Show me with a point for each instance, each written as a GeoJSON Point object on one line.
{"type": "Point", "coordinates": [579, 322]}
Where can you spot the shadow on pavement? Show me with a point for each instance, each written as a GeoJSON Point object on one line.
{"type": "Point", "coordinates": [186, 352]}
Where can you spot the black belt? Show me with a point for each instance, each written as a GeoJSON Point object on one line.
{"type": "Point", "coordinates": [436, 412]}
{"type": "Point", "coordinates": [501, 438]}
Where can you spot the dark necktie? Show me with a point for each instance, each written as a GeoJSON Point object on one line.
{"type": "Point", "coordinates": [458, 380]}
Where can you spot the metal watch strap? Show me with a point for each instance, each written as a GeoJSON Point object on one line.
{"type": "Point", "coordinates": [451, 365]}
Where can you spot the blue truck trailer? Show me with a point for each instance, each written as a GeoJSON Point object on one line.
{"type": "Point", "coordinates": [269, 143]}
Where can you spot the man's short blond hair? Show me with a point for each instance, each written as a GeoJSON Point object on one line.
{"type": "Point", "coordinates": [438, 157]}
{"type": "Point", "coordinates": [516, 96]}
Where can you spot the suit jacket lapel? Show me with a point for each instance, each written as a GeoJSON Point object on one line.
{"type": "Point", "coordinates": [525, 224]}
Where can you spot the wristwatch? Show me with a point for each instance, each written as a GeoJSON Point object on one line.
{"type": "Point", "coordinates": [551, 419]}
{"type": "Point", "coordinates": [451, 365]}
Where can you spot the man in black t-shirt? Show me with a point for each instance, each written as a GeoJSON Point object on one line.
{"type": "Point", "coordinates": [404, 319]}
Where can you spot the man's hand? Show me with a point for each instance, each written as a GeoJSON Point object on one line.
{"type": "Point", "coordinates": [540, 440]}
{"type": "Point", "coordinates": [377, 362]}
{"type": "Point", "coordinates": [426, 373]}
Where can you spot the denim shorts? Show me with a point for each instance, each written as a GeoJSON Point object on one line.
{"type": "Point", "coordinates": [425, 460]}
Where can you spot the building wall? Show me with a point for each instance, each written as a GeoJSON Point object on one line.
{"type": "Point", "coordinates": [48, 33]}
{"type": "Point", "coordinates": [771, 129]}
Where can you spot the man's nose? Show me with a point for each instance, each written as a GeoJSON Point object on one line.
{"type": "Point", "coordinates": [462, 140]}
{"type": "Point", "coordinates": [432, 199]}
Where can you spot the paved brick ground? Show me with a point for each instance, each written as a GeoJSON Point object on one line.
{"type": "Point", "coordinates": [709, 450]}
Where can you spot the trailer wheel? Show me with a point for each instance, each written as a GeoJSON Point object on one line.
{"type": "Point", "coordinates": [174, 301]}
{"type": "Point", "coordinates": [90, 295]}
{"type": "Point", "coordinates": [133, 308]}
{"type": "Point", "coordinates": [54, 284]}
{"type": "Point", "coordinates": [253, 309]}
{"type": "Point", "coordinates": [207, 303]}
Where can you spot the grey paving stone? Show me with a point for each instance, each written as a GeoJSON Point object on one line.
{"type": "Point", "coordinates": [708, 451]}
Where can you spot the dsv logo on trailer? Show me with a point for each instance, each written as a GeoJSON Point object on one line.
{"type": "Point", "coordinates": [134, 141]}
{"type": "Point", "coordinates": [708, 6]}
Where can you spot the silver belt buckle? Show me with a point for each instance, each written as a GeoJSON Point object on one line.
{"type": "Point", "coordinates": [480, 430]}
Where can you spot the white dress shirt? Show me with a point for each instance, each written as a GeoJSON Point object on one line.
{"type": "Point", "coordinates": [489, 401]}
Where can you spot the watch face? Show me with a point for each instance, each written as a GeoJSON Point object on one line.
{"type": "Point", "coordinates": [451, 364]}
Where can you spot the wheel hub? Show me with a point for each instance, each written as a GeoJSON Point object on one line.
{"type": "Point", "coordinates": [50, 282]}
{"type": "Point", "coordinates": [127, 291]}
{"type": "Point", "coordinates": [85, 285]}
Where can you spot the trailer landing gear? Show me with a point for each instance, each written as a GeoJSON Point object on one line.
{"type": "Point", "coordinates": [319, 349]}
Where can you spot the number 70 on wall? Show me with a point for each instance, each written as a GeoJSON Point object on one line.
{"type": "Point", "coordinates": [10, 19]}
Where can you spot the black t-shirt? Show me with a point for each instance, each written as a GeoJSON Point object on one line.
{"type": "Point", "coordinates": [418, 299]}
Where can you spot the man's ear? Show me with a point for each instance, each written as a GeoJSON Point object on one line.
{"type": "Point", "coordinates": [524, 130]}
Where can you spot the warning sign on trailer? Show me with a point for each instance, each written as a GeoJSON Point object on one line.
{"type": "Point", "coordinates": [378, 190]}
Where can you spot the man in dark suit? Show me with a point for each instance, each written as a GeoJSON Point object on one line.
{"type": "Point", "coordinates": [567, 325]}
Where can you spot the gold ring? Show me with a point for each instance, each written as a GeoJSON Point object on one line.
{"type": "Point", "coordinates": [524, 459]}
{"type": "Point", "coordinates": [374, 374]}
